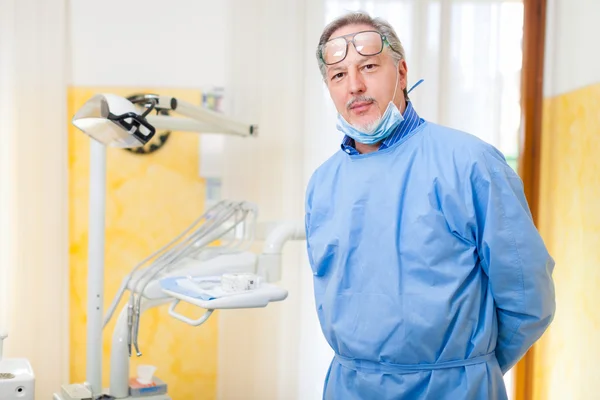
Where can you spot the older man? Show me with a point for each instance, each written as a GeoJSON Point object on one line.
{"type": "Point", "coordinates": [431, 280]}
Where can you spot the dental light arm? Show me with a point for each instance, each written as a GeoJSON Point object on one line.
{"type": "Point", "coordinates": [117, 122]}
{"type": "Point", "coordinates": [200, 119]}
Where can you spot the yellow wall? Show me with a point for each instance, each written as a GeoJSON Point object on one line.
{"type": "Point", "coordinates": [567, 357]}
{"type": "Point", "coordinates": [151, 199]}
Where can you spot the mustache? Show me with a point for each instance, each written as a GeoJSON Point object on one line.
{"type": "Point", "coordinates": [359, 99]}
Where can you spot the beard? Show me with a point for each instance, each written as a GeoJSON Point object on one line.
{"type": "Point", "coordinates": [368, 127]}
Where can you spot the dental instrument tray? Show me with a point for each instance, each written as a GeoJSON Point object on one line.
{"type": "Point", "coordinates": [238, 290]}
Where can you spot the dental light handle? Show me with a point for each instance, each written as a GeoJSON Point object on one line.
{"type": "Point", "coordinates": [3, 335]}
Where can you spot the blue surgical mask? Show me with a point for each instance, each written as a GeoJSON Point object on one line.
{"type": "Point", "coordinates": [391, 119]}
{"type": "Point", "coordinates": [385, 127]}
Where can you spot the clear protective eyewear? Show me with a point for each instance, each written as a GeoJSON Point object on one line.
{"type": "Point", "coordinates": [366, 43]}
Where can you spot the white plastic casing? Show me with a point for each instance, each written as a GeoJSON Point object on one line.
{"type": "Point", "coordinates": [17, 381]}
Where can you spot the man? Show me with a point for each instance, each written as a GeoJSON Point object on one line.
{"type": "Point", "coordinates": [431, 280]}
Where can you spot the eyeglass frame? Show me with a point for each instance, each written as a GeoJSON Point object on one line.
{"type": "Point", "coordinates": [384, 42]}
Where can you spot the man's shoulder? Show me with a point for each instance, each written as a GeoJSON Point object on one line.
{"type": "Point", "coordinates": [455, 138]}
{"type": "Point", "coordinates": [329, 165]}
{"type": "Point", "coordinates": [460, 143]}
{"type": "Point", "coordinates": [464, 152]}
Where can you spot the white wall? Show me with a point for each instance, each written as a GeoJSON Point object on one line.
{"type": "Point", "coordinates": [149, 43]}
{"type": "Point", "coordinates": [33, 188]}
{"type": "Point", "coordinates": [258, 348]}
{"type": "Point", "coordinates": [571, 62]}
{"type": "Point", "coordinates": [278, 352]}
{"type": "Point", "coordinates": [321, 140]}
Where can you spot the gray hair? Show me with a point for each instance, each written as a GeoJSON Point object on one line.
{"type": "Point", "coordinates": [359, 17]}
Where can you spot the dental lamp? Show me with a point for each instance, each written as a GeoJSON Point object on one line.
{"type": "Point", "coordinates": [113, 121]}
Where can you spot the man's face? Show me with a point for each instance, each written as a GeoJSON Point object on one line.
{"type": "Point", "coordinates": [361, 87]}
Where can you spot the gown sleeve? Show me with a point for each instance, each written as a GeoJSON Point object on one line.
{"type": "Point", "coordinates": [307, 212]}
{"type": "Point", "coordinates": [513, 256]}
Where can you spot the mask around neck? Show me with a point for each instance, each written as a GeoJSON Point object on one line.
{"type": "Point", "coordinates": [388, 122]}
{"type": "Point", "coordinates": [386, 125]}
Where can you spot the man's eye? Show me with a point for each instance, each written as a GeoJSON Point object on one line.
{"type": "Point", "coordinates": [369, 66]}
{"type": "Point", "coordinates": [337, 76]}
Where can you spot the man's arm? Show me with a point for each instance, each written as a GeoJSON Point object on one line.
{"type": "Point", "coordinates": [307, 210]}
{"type": "Point", "coordinates": [514, 257]}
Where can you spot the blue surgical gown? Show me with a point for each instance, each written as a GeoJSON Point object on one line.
{"type": "Point", "coordinates": [430, 278]}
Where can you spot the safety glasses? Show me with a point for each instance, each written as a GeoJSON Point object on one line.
{"type": "Point", "coordinates": [366, 43]}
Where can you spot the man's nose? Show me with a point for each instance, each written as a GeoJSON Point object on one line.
{"type": "Point", "coordinates": [357, 84]}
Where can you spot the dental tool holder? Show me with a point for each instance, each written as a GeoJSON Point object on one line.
{"type": "Point", "coordinates": [252, 298]}
{"type": "Point", "coordinates": [242, 261]}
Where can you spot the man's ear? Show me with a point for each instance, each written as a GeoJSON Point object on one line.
{"type": "Point", "coordinates": [403, 71]}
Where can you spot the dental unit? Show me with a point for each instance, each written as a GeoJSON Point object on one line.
{"type": "Point", "coordinates": [209, 264]}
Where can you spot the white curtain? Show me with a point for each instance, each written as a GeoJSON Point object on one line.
{"type": "Point", "coordinates": [7, 162]}
{"type": "Point", "coordinates": [33, 188]}
{"type": "Point", "coordinates": [469, 55]}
